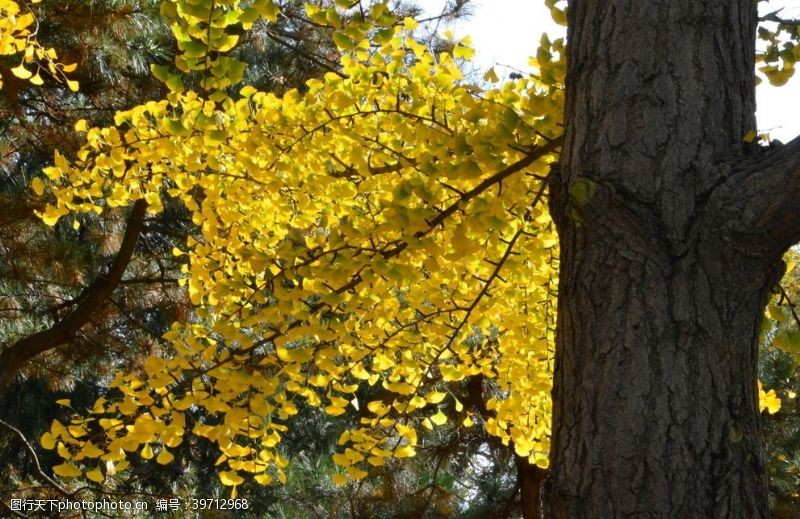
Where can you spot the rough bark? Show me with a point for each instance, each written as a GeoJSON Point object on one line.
{"type": "Point", "coordinates": [671, 236]}
{"type": "Point", "coordinates": [14, 356]}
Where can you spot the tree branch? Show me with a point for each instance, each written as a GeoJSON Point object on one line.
{"type": "Point", "coordinates": [13, 357]}
{"type": "Point", "coordinates": [759, 201]}
{"type": "Point", "coordinates": [36, 462]}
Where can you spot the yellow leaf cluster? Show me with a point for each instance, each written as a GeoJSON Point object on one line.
{"type": "Point", "coordinates": [385, 226]}
{"type": "Point", "coordinates": [768, 400]}
{"type": "Point", "coordinates": [17, 37]}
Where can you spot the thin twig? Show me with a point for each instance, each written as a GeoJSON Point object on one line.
{"type": "Point", "coordinates": [32, 452]}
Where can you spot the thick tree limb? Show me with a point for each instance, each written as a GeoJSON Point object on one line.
{"type": "Point", "coordinates": [14, 356]}
{"type": "Point", "coordinates": [760, 200]}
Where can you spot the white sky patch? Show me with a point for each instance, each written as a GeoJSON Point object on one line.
{"type": "Point", "coordinates": [506, 32]}
{"type": "Point", "coordinates": [779, 107]}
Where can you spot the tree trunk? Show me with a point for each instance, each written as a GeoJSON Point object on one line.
{"type": "Point", "coordinates": [671, 231]}
{"type": "Point", "coordinates": [529, 480]}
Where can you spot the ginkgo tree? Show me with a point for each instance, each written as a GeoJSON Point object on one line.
{"type": "Point", "coordinates": [330, 296]}
{"type": "Point", "coordinates": [389, 226]}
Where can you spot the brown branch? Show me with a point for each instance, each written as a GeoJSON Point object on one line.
{"type": "Point", "coordinates": [529, 481]}
{"type": "Point", "coordinates": [36, 462]}
{"type": "Point", "coordinates": [758, 204]}
{"type": "Point", "coordinates": [773, 17]}
{"type": "Point", "coordinates": [278, 37]}
{"type": "Point", "coordinates": [785, 295]}
{"type": "Point", "coordinates": [534, 155]}
{"type": "Point", "coordinates": [14, 356]}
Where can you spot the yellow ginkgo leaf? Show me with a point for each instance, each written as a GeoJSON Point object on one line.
{"type": "Point", "coordinates": [48, 441]}
{"type": "Point", "coordinates": [768, 400]}
{"type": "Point", "coordinates": [376, 461]}
{"type": "Point", "coordinates": [147, 452]}
{"type": "Point", "coordinates": [164, 457]}
{"type": "Point", "coordinates": [406, 451]}
{"type": "Point", "coordinates": [263, 479]}
{"type": "Point", "coordinates": [21, 72]}
{"type": "Point", "coordinates": [66, 470]}
{"type": "Point", "coordinates": [63, 451]}
{"type": "Point", "coordinates": [356, 473]}
{"type": "Point", "coordinates": [90, 450]}
{"type": "Point", "coordinates": [230, 478]}
{"type": "Point", "coordinates": [334, 410]}
{"type": "Point", "coordinates": [439, 418]}
{"type": "Point", "coordinates": [95, 475]}
{"type": "Point", "coordinates": [434, 397]}
{"type": "Point", "coordinates": [491, 76]}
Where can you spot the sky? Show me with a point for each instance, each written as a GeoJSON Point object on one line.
{"type": "Point", "coordinates": [506, 32]}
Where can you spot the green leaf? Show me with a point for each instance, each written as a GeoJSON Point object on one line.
{"type": "Point", "coordinates": [343, 42]}
{"type": "Point", "coordinates": [581, 191]}
{"type": "Point", "coordinates": [383, 36]}
{"type": "Point", "coordinates": [193, 48]}
{"type": "Point", "coordinates": [788, 341]}
{"type": "Point", "coordinates": [163, 74]}
{"type": "Point", "coordinates": [175, 127]}
{"type": "Point", "coordinates": [491, 76]}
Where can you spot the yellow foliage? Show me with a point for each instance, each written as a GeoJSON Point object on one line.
{"type": "Point", "coordinates": [767, 400]}
{"type": "Point", "coordinates": [387, 224]}
{"type": "Point", "coordinates": [17, 37]}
